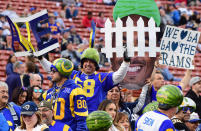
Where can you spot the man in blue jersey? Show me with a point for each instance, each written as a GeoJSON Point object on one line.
{"type": "Point", "coordinates": [95, 85]}
{"type": "Point", "coordinates": [47, 113]}
{"type": "Point", "coordinates": [10, 112]}
{"type": "Point", "coordinates": [168, 97]}
{"type": "Point", "coordinates": [70, 105]}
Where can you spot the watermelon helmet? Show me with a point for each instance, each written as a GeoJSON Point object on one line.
{"type": "Point", "coordinates": [169, 96]}
{"type": "Point", "coordinates": [150, 107]}
{"type": "Point", "coordinates": [187, 102]}
{"type": "Point", "coordinates": [91, 54]}
{"type": "Point", "coordinates": [63, 66]}
{"type": "Point", "coordinates": [99, 121]}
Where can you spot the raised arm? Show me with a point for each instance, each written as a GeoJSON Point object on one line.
{"type": "Point", "coordinates": [45, 64]}
{"type": "Point", "coordinates": [185, 80]}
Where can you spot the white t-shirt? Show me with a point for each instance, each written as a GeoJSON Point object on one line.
{"type": "Point", "coordinates": [37, 128]}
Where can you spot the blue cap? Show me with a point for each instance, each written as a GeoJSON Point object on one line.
{"type": "Point", "coordinates": [29, 108]}
{"type": "Point", "coordinates": [194, 117]}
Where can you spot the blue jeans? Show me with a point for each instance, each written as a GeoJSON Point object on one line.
{"type": "Point", "coordinates": [69, 14]}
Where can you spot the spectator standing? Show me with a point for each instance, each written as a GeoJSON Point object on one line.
{"type": "Point", "coordinates": [10, 112]}
{"type": "Point", "coordinates": [70, 105]}
{"type": "Point", "coordinates": [15, 80]}
{"type": "Point", "coordinates": [9, 67]}
{"type": "Point", "coordinates": [160, 119]}
{"type": "Point", "coordinates": [35, 80]}
{"type": "Point", "coordinates": [47, 113]}
{"type": "Point", "coordinates": [194, 93]}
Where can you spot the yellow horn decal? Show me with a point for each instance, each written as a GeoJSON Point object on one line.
{"type": "Point", "coordinates": [66, 70]}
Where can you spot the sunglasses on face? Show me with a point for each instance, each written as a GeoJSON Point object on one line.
{"type": "Point", "coordinates": [27, 116]}
{"type": "Point", "coordinates": [185, 109]}
{"type": "Point", "coordinates": [38, 90]}
{"type": "Point", "coordinates": [53, 71]}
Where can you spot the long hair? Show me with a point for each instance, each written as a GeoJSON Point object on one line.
{"type": "Point", "coordinates": [9, 59]}
{"type": "Point", "coordinates": [16, 94]}
{"type": "Point", "coordinates": [30, 93]}
{"type": "Point", "coordinates": [121, 115]}
{"type": "Point", "coordinates": [39, 121]}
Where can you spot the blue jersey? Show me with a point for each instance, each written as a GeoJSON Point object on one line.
{"type": "Point", "coordinates": [70, 106]}
{"type": "Point", "coordinates": [9, 118]}
{"type": "Point", "coordinates": [58, 126]}
{"type": "Point", "coordinates": [154, 121]}
{"type": "Point", "coordinates": [50, 95]}
{"type": "Point", "coordinates": [95, 87]}
{"type": "Point", "coordinates": [54, 28]}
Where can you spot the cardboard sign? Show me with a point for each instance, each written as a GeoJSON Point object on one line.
{"type": "Point", "coordinates": [32, 22]}
{"type": "Point", "coordinates": [178, 47]}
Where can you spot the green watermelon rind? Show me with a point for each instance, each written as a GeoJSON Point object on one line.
{"type": "Point", "coordinates": [99, 121]}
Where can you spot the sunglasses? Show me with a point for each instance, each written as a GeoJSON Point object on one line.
{"type": "Point", "coordinates": [38, 90]}
{"type": "Point", "coordinates": [53, 71]}
{"type": "Point", "coordinates": [27, 116]}
{"type": "Point", "coordinates": [185, 109]}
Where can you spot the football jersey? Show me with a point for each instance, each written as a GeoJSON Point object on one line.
{"type": "Point", "coordinates": [9, 118]}
{"type": "Point", "coordinates": [95, 87]}
{"type": "Point", "coordinates": [154, 121]}
{"type": "Point", "coordinates": [70, 106]}
{"type": "Point", "coordinates": [58, 126]}
{"type": "Point", "coordinates": [54, 28]}
{"type": "Point", "coordinates": [50, 94]}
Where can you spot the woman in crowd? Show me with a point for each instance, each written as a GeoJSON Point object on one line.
{"type": "Point", "coordinates": [123, 121]}
{"type": "Point", "coordinates": [35, 94]}
{"type": "Point", "coordinates": [134, 109]}
{"type": "Point", "coordinates": [9, 67]}
{"type": "Point", "coordinates": [30, 118]}
{"type": "Point", "coordinates": [110, 108]}
{"type": "Point", "coordinates": [20, 95]}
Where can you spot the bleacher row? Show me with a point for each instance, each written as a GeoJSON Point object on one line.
{"type": "Point", "coordinates": [88, 5]}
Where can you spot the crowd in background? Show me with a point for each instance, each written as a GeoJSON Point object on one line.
{"type": "Point", "coordinates": [24, 81]}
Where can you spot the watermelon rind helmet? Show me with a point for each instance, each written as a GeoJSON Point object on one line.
{"type": "Point", "coordinates": [99, 121]}
{"type": "Point", "coordinates": [150, 107]}
{"type": "Point", "coordinates": [63, 66]}
{"type": "Point", "coordinates": [91, 54]}
{"type": "Point", "coordinates": [169, 96]}
{"type": "Point", "coordinates": [187, 102]}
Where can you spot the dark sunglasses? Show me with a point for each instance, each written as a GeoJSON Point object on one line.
{"type": "Point", "coordinates": [27, 115]}
{"type": "Point", "coordinates": [38, 90]}
{"type": "Point", "coordinates": [53, 71]}
{"type": "Point", "coordinates": [185, 109]}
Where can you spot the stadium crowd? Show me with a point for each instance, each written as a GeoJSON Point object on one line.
{"type": "Point", "coordinates": [77, 87]}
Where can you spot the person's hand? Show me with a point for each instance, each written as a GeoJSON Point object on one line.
{"type": "Point", "coordinates": [126, 58]}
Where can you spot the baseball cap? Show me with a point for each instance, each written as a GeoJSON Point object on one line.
{"type": "Point", "coordinates": [32, 8]}
{"type": "Point", "coordinates": [194, 118]}
{"type": "Point", "coordinates": [194, 80]}
{"type": "Point", "coordinates": [29, 108]}
{"type": "Point", "coordinates": [45, 104]}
